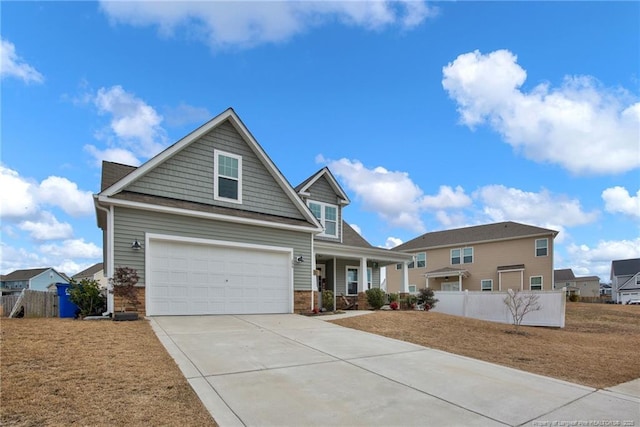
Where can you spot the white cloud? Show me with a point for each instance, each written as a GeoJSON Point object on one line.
{"type": "Point", "coordinates": [618, 200]}
{"type": "Point", "coordinates": [597, 260]}
{"type": "Point", "coordinates": [58, 191]}
{"type": "Point", "coordinates": [247, 24]}
{"type": "Point", "coordinates": [392, 242]}
{"type": "Point", "coordinates": [47, 227]}
{"type": "Point", "coordinates": [117, 155]}
{"type": "Point", "coordinates": [134, 124]}
{"type": "Point", "coordinates": [580, 125]}
{"type": "Point", "coordinates": [18, 258]}
{"type": "Point", "coordinates": [392, 195]}
{"type": "Point", "coordinates": [447, 198]}
{"type": "Point", "coordinates": [72, 248]}
{"type": "Point", "coordinates": [12, 65]}
{"type": "Point", "coordinates": [16, 198]}
{"type": "Point", "coordinates": [546, 209]}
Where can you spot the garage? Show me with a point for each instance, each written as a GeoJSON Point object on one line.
{"type": "Point", "coordinates": [195, 277]}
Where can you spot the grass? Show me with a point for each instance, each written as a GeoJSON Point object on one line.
{"type": "Point", "coordinates": [598, 346]}
{"type": "Point", "coordinates": [60, 372]}
{"type": "Point", "coordinates": [68, 372]}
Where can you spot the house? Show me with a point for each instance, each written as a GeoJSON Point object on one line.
{"type": "Point", "coordinates": [625, 280]}
{"type": "Point", "coordinates": [37, 279]}
{"type": "Point", "coordinates": [213, 227]}
{"type": "Point", "coordinates": [95, 272]}
{"type": "Point", "coordinates": [490, 257]}
{"type": "Point", "coordinates": [584, 286]}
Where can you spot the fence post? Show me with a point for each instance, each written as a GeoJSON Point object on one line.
{"type": "Point", "coordinates": [464, 302]}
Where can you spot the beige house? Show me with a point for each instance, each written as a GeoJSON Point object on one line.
{"type": "Point", "coordinates": [585, 286]}
{"type": "Point", "coordinates": [491, 257]}
{"type": "Point", "coordinates": [95, 272]}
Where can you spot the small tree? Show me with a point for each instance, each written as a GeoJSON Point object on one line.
{"type": "Point", "coordinates": [124, 282]}
{"type": "Point", "coordinates": [88, 296]}
{"type": "Point", "coordinates": [327, 300]}
{"type": "Point", "coordinates": [427, 298]}
{"type": "Point", "coordinates": [376, 298]}
{"type": "Point", "coordinates": [520, 305]}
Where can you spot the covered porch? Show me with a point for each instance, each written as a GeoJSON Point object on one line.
{"type": "Point", "coordinates": [446, 279]}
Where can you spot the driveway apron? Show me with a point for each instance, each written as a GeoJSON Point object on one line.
{"type": "Point", "coordinates": [292, 370]}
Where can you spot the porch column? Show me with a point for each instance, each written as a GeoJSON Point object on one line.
{"type": "Point", "coordinates": [427, 282]}
{"type": "Point", "coordinates": [362, 277]}
{"type": "Point", "coordinates": [405, 277]}
{"type": "Point", "coordinates": [460, 281]}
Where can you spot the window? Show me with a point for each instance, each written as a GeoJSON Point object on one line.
{"type": "Point", "coordinates": [228, 177]}
{"type": "Point", "coordinates": [328, 217]}
{"type": "Point", "coordinates": [486, 285]}
{"type": "Point", "coordinates": [462, 256]}
{"type": "Point", "coordinates": [421, 260]}
{"type": "Point", "coordinates": [352, 281]}
{"type": "Point", "coordinates": [369, 277]}
{"type": "Point", "coordinates": [535, 283]}
{"type": "Point", "coordinates": [450, 286]}
{"type": "Point", "coordinates": [412, 289]}
{"type": "Point", "coordinates": [455, 256]}
{"type": "Point", "coordinates": [542, 247]}
{"type": "Point", "coordinates": [399, 266]}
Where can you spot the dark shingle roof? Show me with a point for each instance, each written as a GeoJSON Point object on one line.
{"type": "Point", "coordinates": [23, 274]}
{"type": "Point", "coordinates": [89, 272]}
{"type": "Point", "coordinates": [479, 233]}
{"type": "Point", "coordinates": [563, 275]}
{"type": "Point", "coordinates": [625, 267]}
{"type": "Point", "coordinates": [350, 237]}
{"type": "Point", "coordinates": [114, 172]}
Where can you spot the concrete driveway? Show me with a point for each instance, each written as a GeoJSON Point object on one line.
{"type": "Point", "coordinates": [292, 370]}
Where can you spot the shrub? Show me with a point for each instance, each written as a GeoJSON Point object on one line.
{"type": "Point", "coordinates": [426, 297]}
{"type": "Point", "coordinates": [124, 282]}
{"type": "Point", "coordinates": [393, 297]}
{"type": "Point", "coordinates": [327, 300]}
{"type": "Point", "coordinates": [411, 301]}
{"type": "Point", "coordinates": [376, 298]}
{"type": "Point", "coordinates": [574, 297]}
{"type": "Point", "coordinates": [393, 305]}
{"type": "Point", "coordinates": [88, 296]}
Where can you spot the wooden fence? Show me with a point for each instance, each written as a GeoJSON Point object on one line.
{"type": "Point", "coordinates": [35, 303]}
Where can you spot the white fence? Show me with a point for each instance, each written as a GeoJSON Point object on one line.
{"type": "Point", "coordinates": [490, 306]}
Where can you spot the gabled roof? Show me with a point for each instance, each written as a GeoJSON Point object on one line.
{"type": "Point", "coordinates": [563, 275]}
{"type": "Point", "coordinates": [477, 234]}
{"type": "Point", "coordinates": [303, 188]}
{"type": "Point", "coordinates": [89, 272]}
{"type": "Point", "coordinates": [630, 284]}
{"type": "Point", "coordinates": [625, 267]}
{"type": "Point", "coordinates": [118, 176]}
{"type": "Point", "coordinates": [28, 274]}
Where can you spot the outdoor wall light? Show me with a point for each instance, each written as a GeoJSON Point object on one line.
{"type": "Point", "coordinates": [135, 245]}
{"type": "Point", "coordinates": [299, 259]}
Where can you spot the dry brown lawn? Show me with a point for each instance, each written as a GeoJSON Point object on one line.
{"type": "Point", "coordinates": [598, 347]}
{"type": "Point", "coordinates": [60, 372]}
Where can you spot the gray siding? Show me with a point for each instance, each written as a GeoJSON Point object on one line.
{"type": "Point", "coordinates": [131, 224]}
{"type": "Point", "coordinates": [341, 274]}
{"type": "Point", "coordinates": [189, 175]}
{"type": "Point", "coordinates": [321, 191]}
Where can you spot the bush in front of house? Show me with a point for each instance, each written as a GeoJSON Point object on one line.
{"type": "Point", "coordinates": [327, 300]}
{"type": "Point", "coordinates": [376, 298]}
{"type": "Point", "coordinates": [124, 282]}
{"type": "Point", "coordinates": [574, 297]}
{"type": "Point", "coordinates": [427, 298]}
{"type": "Point", "coordinates": [393, 298]}
{"type": "Point", "coordinates": [88, 296]}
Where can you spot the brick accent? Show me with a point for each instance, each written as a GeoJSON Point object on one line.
{"type": "Point", "coordinates": [363, 304]}
{"type": "Point", "coordinates": [342, 305]}
{"type": "Point", "coordinates": [302, 301]}
{"type": "Point", "coordinates": [141, 309]}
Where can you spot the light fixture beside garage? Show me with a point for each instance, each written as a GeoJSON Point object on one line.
{"type": "Point", "coordinates": [135, 245]}
{"type": "Point", "coordinates": [299, 259]}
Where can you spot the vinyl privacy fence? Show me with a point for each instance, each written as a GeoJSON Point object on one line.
{"type": "Point", "coordinates": [490, 306]}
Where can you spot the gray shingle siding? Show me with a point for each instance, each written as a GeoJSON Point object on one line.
{"type": "Point", "coordinates": [131, 224]}
{"type": "Point", "coordinates": [189, 175]}
{"type": "Point", "coordinates": [321, 191]}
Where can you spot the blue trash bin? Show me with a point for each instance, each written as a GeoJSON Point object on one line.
{"type": "Point", "coordinates": [65, 307]}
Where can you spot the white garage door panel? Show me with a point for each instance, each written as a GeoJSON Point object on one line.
{"type": "Point", "coordinates": [188, 278]}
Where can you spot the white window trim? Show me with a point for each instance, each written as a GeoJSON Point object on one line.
{"type": "Point", "coordinates": [451, 256]}
{"type": "Point", "coordinates": [462, 255]}
{"type": "Point", "coordinates": [535, 247]}
{"type": "Point", "coordinates": [415, 289]}
{"type": "Point", "coordinates": [425, 259]}
{"type": "Point", "coordinates": [541, 283]}
{"type": "Point", "coordinates": [369, 275]}
{"type": "Point", "coordinates": [323, 217]}
{"type": "Point", "coordinates": [216, 154]}
{"type": "Point", "coordinates": [486, 280]}
{"type": "Point", "coordinates": [346, 279]}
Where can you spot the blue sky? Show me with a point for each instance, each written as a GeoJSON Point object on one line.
{"type": "Point", "coordinates": [430, 115]}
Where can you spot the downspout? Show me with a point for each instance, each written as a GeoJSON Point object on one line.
{"type": "Point", "coordinates": [109, 260]}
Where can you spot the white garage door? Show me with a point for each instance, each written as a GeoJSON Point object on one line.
{"type": "Point", "coordinates": [189, 278]}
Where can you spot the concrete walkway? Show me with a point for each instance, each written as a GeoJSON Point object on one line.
{"type": "Point", "coordinates": [292, 370]}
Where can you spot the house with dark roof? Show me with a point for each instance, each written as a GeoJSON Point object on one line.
{"type": "Point", "coordinates": [490, 257]}
{"type": "Point", "coordinates": [583, 286]}
{"type": "Point", "coordinates": [95, 272]}
{"type": "Point", "coordinates": [213, 227]}
{"type": "Point", "coordinates": [37, 279]}
{"type": "Point", "coordinates": [625, 280]}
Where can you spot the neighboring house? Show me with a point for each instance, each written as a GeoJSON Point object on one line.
{"type": "Point", "coordinates": [95, 272]}
{"type": "Point", "coordinates": [491, 257]}
{"type": "Point", "coordinates": [584, 286]}
{"type": "Point", "coordinates": [213, 227]}
{"type": "Point", "coordinates": [37, 279]}
{"type": "Point", "coordinates": [605, 290]}
{"type": "Point", "coordinates": [625, 280]}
